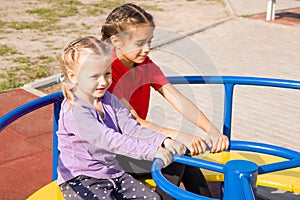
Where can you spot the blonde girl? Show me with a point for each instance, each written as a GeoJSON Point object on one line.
{"type": "Point", "coordinates": [94, 126]}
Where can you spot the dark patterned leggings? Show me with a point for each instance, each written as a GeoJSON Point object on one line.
{"type": "Point", "coordinates": [191, 177]}
{"type": "Point", "coordinates": [124, 187]}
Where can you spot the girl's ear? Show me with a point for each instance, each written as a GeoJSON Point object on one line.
{"type": "Point", "coordinates": [116, 41]}
{"type": "Point", "coordinates": [72, 76]}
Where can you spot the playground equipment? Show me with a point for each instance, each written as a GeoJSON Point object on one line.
{"type": "Point", "coordinates": [271, 10]}
{"type": "Point", "coordinates": [232, 167]}
{"type": "Point", "coordinates": [240, 175]}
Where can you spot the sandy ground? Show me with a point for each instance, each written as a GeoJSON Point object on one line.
{"type": "Point", "coordinates": [176, 15]}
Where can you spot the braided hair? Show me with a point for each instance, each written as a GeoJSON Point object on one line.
{"type": "Point", "coordinates": [119, 20]}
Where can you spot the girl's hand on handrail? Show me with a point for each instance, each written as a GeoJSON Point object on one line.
{"type": "Point", "coordinates": [165, 155]}
{"type": "Point", "coordinates": [220, 142]}
{"type": "Point", "coordinates": [195, 144]}
{"type": "Point", "coordinates": [199, 146]}
{"type": "Point", "coordinates": [174, 146]}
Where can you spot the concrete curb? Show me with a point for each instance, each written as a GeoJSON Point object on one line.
{"type": "Point", "coordinates": [41, 83]}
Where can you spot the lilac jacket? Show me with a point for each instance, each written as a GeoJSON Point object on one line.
{"type": "Point", "coordinates": [88, 144]}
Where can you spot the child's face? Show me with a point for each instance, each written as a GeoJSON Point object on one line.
{"type": "Point", "coordinates": [94, 77]}
{"type": "Point", "coordinates": [136, 47]}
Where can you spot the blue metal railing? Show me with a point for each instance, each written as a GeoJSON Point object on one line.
{"type": "Point", "coordinates": [229, 82]}
{"type": "Point", "coordinates": [235, 80]}
{"type": "Point", "coordinates": [22, 110]}
{"type": "Point", "coordinates": [239, 175]}
{"type": "Point", "coordinates": [29, 107]}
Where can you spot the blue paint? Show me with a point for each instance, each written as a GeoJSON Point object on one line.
{"type": "Point", "coordinates": [240, 176]}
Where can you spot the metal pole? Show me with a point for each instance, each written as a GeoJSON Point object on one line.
{"type": "Point", "coordinates": [55, 151]}
{"type": "Point", "coordinates": [228, 109]}
{"type": "Point", "coordinates": [271, 10]}
{"type": "Point", "coordinates": [240, 180]}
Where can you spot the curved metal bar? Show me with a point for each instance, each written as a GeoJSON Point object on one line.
{"type": "Point", "coordinates": [170, 188]}
{"type": "Point", "coordinates": [294, 156]}
{"type": "Point", "coordinates": [176, 192]}
{"type": "Point", "coordinates": [264, 148]}
{"type": "Point", "coordinates": [293, 84]}
{"type": "Point", "coordinates": [195, 162]}
{"type": "Point", "coordinates": [274, 167]}
{"type": "Point", "coordinates": [29, 107]}
{"type": "Point", "coordinates": [235, 145]}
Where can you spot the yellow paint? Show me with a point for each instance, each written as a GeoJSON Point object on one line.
{"type": "Point", "coordinates": [288, 180]}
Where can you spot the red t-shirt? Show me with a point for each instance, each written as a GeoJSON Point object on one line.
{"type": "Point", "coordinates": [134, 85]}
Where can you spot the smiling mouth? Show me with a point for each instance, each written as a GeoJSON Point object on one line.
{"type": "Point", "coordinates": [141, 57]}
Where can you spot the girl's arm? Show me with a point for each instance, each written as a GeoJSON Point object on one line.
{"type": "Point", "coordinates": [195, 144]}
{"type": "Point", "coordinates": [128, 125]}
{"type": "Point", "coordinates": [185, 106]}
{"type": "Point", "coordinates": [86, 125]}
{"type": "Point", "coordinates": [167, 132]}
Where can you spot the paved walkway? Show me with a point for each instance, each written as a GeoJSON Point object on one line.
{"type": "Point", "coordinates": [239, 46]}
{"type": "Point", "coordinates": [243, 47]}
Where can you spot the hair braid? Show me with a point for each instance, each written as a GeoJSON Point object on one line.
{"type": "Point", "coordinates": [119, 19]}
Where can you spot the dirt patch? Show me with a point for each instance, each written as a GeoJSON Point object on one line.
{"type": "Point", "coordinates": [34, 32]}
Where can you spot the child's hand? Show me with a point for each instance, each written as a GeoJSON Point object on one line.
{"type": "Point", "coordinates": [174, 146]}
{"type": "Point", "coordinates": [165, 155]}
{"type": "Point", "coordinates": [220, 142]}
{"type": "Point", "coordinates": [195, 144]}
{"type": "Point", "coordinates": [199, 146]}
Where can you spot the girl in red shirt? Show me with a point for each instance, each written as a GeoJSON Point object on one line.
{"type": "Point", "coordinates": [130, 29]}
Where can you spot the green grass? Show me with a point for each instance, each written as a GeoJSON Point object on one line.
{"type": "Point", "coordinates": [27, 71]}
{"type": "Point", "coordinates": [110, 4]}
{"type": "Point", "coordinates": [39, 25]}
{"type": "Point", "coordinates": [19, 75]}
{"type": "Point", "coordinates": [2, 24]}
{"type": "Point", "coordinates": [55, 12]}
{"type": "Point", "coordinates": [63, 2]}
{"type": "Point", "coordinates": [41, 72]}
{"type": "Point", "coordinates": [27, 68]}
{"type": "Point", "coordinates": [67, 12]}
{"type": "Point", "coordinates": [45, 59]}
{"type": "Point", "coordinates": [25, 25]}
{"type": "Point", "coordinates": [59, 9]}
{"type": "Point", "coordinates": [21, 60]}
{"type": "Point", "coordinates": [5, 50]}
{"type": "Point", "coordinates": [152, 7]}
{"type": "Point", "coordinates": [42, 12]}
{"type": "Point", "coordinates": [10, 80]}
{"type": "Point", "coordinates": [96, 10]}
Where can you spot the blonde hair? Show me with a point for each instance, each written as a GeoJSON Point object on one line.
{"type": "Point", "coordinates": [118, 20]}
{"type": "Point", "coordinates": [70, 60]}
